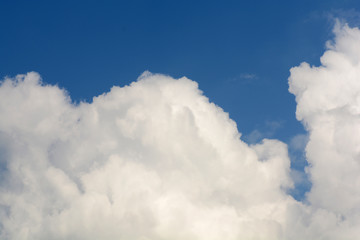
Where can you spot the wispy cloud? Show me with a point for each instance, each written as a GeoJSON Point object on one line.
{"type": "Point", "coordinates": [268, 130]}
{"type": "Point", "coordinates": [244, 78]}
{"type": "Point", "coordinates": [247, 76]}
{"type": "Point", "coordinates": [349, 16]}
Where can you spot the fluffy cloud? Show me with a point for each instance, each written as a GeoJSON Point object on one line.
{"type": "Point", "coordinates": [153, 160]}
{"type": "Point", "coordinates": [328, 103]}
{"type": "Point", "coordinates": [156, 160]}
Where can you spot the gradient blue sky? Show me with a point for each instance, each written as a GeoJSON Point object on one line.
{"type": "Point", "coordinates": [239, 52]}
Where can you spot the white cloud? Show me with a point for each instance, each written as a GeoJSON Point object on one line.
{"type": "Point", "coordinates": [157, 160]}
{"type": "Point", "coordinates": [153, 160]}
{"type": "Point", "coordinates": [328, 103]}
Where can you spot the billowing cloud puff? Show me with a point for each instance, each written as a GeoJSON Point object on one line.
{"type": "Point", "coordinates": [156, 160]}
{"type": "Point", "coordinates": [153, 160]}
{"type": "Point", "coordinates": [328, 103]}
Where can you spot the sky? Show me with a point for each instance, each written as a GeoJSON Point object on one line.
{"type": "Point", "coordinates": [179, 120]}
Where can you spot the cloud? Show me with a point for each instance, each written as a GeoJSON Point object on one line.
{"type": "Point", "coordinates": [157, 160]}
{"type": "Point", "coordinates": [298, 142]}
{"type": "Point", "coordinates": [346, 16]}
{"type": "Point", "coordinates": [267, 131]}
{"type": "Point", "coordinates": [244, 78]}
{"type": "Point", "coordinates": [247, 76]}
{"type": "Point", "coordinates": [153, 160]}
{"type": "Point", "coordinates": [328, 103]}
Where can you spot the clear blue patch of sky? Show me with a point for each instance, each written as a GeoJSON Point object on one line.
{"type": "Point", "coordinates": [239, 52]}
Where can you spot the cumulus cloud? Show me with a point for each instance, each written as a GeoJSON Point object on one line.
{"type": "Point", "coordinates": [328, 103]}
{"type": "Point", "coordinates": [153, 160]}
{"type": "Point", "coordinates": [157, 160]}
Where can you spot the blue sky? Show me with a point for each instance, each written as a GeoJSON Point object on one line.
{"type": "Point", "coordinates": [239, 52]}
